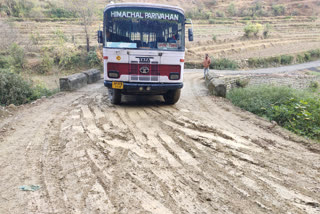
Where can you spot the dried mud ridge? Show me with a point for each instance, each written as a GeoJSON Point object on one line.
{"type": "Point", "coordinates": [201, 155]}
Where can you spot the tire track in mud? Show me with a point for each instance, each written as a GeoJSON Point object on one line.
{"type": "Point", "coordinates": [198, 156]}
{"type": "Point", "coordinates": [138, 134]}
{"type": "Point", "coordinates": [140, 152]}
{"type": "Point", "coordinates": [206, 168]}
{"type": "Point", "coordinates": [292, 158]}
{"type": "Point", "coordinates": [240, 156]}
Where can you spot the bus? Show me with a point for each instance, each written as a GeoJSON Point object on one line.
{"type": "Point", "coordinates": [143, 50]}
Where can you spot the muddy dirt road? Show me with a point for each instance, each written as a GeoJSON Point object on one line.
{"type": "Point", "coordinates": [201, 155]}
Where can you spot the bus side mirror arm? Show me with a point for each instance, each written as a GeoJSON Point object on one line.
{"type": "Point", "coordinates": [100, 37]}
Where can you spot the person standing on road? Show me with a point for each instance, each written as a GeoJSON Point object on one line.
{"type": "Point", "coordinates": [206, 64]}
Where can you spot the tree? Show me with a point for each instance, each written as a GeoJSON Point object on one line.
{"type": "Point", "coordinates": [232, 9]}
{"type": "Point", "coordinates": [17, 8]}
{"type": "Point", "coordinates": [278, 10]}
{"type": "Point", "coordinates": [85, 11]}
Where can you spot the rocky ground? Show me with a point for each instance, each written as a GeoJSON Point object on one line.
{"type": "Point", "coordinates": [202, 155]}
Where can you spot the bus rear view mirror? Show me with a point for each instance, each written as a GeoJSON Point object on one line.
{"type": "Point", "coordinates": [190, 34]}
{"type": "Point", "coordinates": [100, 38]}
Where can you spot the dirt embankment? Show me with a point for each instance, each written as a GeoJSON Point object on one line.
{"type": "Point", "coordinates": [201, 155]}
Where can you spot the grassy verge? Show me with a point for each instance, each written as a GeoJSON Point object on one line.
{"type": "Point", "coordinates": [297, 111]}
{"type": "Point", "coordinates": [15, 90]}
{"type": "Point", "coordinates": [274, 61]}
{"type": "Point", "coordinates": [217, 64]}
{"type": "Point", "coordinates": [303, 57]}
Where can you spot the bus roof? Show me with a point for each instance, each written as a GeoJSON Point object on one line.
{"type": "Point", "coordinates": [149, 5]}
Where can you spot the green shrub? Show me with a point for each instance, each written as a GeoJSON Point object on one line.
{"type": "Point", "coordinates": [39, 91]}
{"type": "Point", "coordinates": [17, 8]}
{"type": "Point", "coordinates": [212, 21]}
{"type": "Point", "coordinates": [93, 59]}
{"type": "Point", "coordinates": [15, 90]}
{"type": "Point", "coordinates": [214, 38]}
{"type": "Point", "coordinates": [46, 63]}
{"type": "Point", "coordinates": [35, 38]}
{"type": "Point", "coordinates": [256, 62]}
{"type": "Point", "coordinates": [68, 57]}
{"type": "Point", "coordinates": [278, 10]}
{"type": "Point", "coordinates": [274, 60]}
{"type": "Point", "coordinates": [307, 57]}
{"type": "Point", "coordinates": [315, 53]}
{"type": "Point", "coordinates": [266, 31]}
{"type": "Point", "coordinates": [198, 14]}
{"type": "Point", "coordinates": [4, 61]}
{"type": "Point", "coordinates": [223, 64]}
{"type": "Point", "coordinates": [232, 9]}
{"type": "Point", "coordinates": [252, 29]}
{"type": "Point", "coordinates": [264, 62]}
{"type": "Point", "coordinates": [314, 85]}
{"type": "Point", "coordinates": [300, 58]}
{"type": "Point", "coordinates": [65, 55]}
{"type": "Point", "coordinates": [286, 59]}
{"type": "Point", "coordinates": [60, 37]}
{"type": "Point", "coordinates": [298, 111]}
{"type": "Point", "coordinates": [56, 12]}
{"type": "Point", "coordinates": [16, 58]}
{"type": "Point", "coordinates": [247, 18]}
{"type": "Point", "coordinates": [220, 14]}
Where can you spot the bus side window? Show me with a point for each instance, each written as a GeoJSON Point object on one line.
{"type": "Point", "coordinates": [161, 39]}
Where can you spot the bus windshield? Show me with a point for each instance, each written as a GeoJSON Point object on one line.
{"type": "Point", "coordinates": [144, 28]}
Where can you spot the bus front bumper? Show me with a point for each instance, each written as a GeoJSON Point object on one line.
{"type": "Point", "coordinates": [146, 88]}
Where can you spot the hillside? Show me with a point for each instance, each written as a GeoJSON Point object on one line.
{"type": "Point", "coordinates": [38, 27]}
{"type": "Point", "coordinates": [229, 8]}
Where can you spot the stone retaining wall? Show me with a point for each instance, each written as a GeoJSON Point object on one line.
{"type": "Point", "coordinates": [79, 80]}
{"type": "Point", "coordinates": [293, 80]}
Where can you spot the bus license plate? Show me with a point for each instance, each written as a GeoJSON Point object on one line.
{"type": "Point", "coordinates": [117, 85]}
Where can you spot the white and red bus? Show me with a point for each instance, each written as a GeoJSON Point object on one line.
{"type": "Point", "coordinates": [143, 50]}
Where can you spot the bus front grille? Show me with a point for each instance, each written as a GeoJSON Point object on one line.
{"type": "Point", "coordinates": [144, 78]}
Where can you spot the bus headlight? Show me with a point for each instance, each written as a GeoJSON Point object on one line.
{"type": "Point", "coordinates": [174, 76]}
{"type": "Point", "coordinates": [113, 74]}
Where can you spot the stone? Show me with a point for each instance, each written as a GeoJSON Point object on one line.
{"type": "Point", "coordinates": [217, 87]}
{"type": "Point", "coordinates": [12, 107]}
{"type": "Point", "coordinates": [93, 75]}
{"type": "Point", "coordinates": [73, 82]}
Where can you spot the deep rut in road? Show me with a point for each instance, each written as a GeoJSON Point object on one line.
{"type": "Point", "coordinates": [201, 155]}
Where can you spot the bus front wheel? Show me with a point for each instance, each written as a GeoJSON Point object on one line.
{"type": "Point", "coordinates": [115, 96]}
{"type": "Point", "coordinates": [172, 96]}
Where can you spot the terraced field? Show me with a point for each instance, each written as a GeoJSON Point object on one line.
{"type": "Point", "coordinates": [287, 36]}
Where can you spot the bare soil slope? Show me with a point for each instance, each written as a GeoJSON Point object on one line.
{"type": "Point", "coordinates": [201, 155]}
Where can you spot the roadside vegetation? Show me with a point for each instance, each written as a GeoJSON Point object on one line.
{"type": "Point", "coordinates": [307, 56]}
{"type": "Point", "coordinates": [51, 50]}
{"type": "Point", "coordinates": [295, 110]}
{"type": "Point", "coordinates": [282, 60]}
{"type": "Point", "coordinates": [15, 90]}
{"type": "Point", "coordinates": [217, 64]}
{"type": "Point", "coordinates": [249, 12]}
{"type": "Point", "coordinates": [20, 60]}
